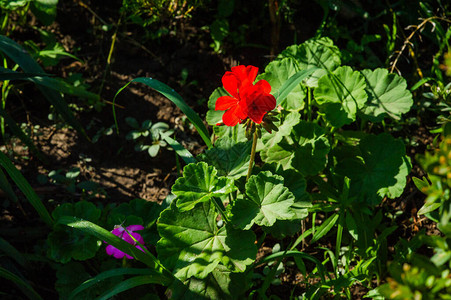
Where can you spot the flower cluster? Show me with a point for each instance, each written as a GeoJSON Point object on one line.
{"type": "Point", "coordinates": [128, 235]}
{"type": "Point", "coordinates": [246, 100]}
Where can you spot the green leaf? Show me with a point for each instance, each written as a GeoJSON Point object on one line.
{"type": "Point", "coordinates": [320, 53]}
{"type": "Point", "coordinates": [177, 100]}
{"type": "Point", "coordinates": [191, 244]}
{"type": "Point", "coordinates": [387, 95]}
{"type": "Point", "coordinates": [24, 286]}
{"type": "Point", "coordinates": [66, 243]}
{"type": "Point", "coordinates": [109, 238]}
{"type": "Point", "coordinates": [352, 226]}
{"type": "Point", "coordinates": [281, 153]}
{"type": "Point", "coordinates": [9, 250]}
{"type": "Point", "coordinates": [285, 125]}
{"type": "Point", "coordinates": [311, 148]}
{"type": "Point", "coordinates": [115, 273]}
{"type": "Point", "coordinates": [129, 284]}
{"type": "Point", "coordinates": [229, 158]}
{"type": "Point", "coordinates": [187, 157]}
{"type": "Point", "coordinates": [137, 211]}
{"type": "Point", "coordinates": [215, 116]}
{"type": "Point", "coordinates": [68, 277]}
{"type": "Point", "coordinates": [325, 227]}
{"type": "Point", "coordinates": [380, 171]}
{"type": "Point", "coordinates": [44, 10]}
{"type": "Point", "coordinates": [340, 95]}
{"type": "Point", "coordinates": [277, 73]}
{"type": "Point", "coordinates": [17, 131]}
{"type": "Point", "coordinates": [18, 54]}
{"type": "Point", "coordinates": [219, 284]}
{"type": "Point", "coordinates": [7, 188]}
{"type": "Point", "coordinates": [26, 188]}
{"type": "Point", "coordinates": [292, 82]}
{"type": "Point", "coordinates": [267, 200]}
{"type": "Point", "coordinates": [199, 184]}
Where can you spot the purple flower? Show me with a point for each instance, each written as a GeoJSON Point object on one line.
{"type": "Point", "coordinates": [128, 235]}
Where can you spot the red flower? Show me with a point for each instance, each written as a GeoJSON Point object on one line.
{"type": "Point", "coordinates": [247, 100]}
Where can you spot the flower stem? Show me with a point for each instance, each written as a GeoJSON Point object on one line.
{"type": "Point", "coordinates": [251, 162]}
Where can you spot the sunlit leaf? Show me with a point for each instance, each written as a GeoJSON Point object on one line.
{"type": "Point", "coordinates": [340, 95]}
{"type": "Point", "coordinates": [199, 184]}
{"type": "Point", "coordinates": [229, 158]}
{"type": "Point", "coordinates": [191, 244]}
{"type": "Point", "coordinates": [219, 284]}
{"type": "Point", "coordinates": [387, 95]}
{"type": "Point", "coordinates": [277, 73]}
{"type": "Point", "coordinates": [267, 200]}
{"type": "Point", "coordinates": [310, 148]}
{"type": "Point", "coordinates": [320, 53]}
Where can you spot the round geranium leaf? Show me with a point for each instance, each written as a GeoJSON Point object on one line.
{"type": "Point", "coordinates": [66, 243]}
{"type": "Point", "coordinates": [191, 244]}
{"type": "Point", "coordinates": [281, 154]}
{"type": "Point", "coordinates": [219, 284]}
{"type": "Point", "coordinates": [213, 116]}
{"type": "Point", "coordinates": [340, 95]}
{"type": "Point", "coordinates": [199, 184]}
{"type": "Point", "coordinates": [320, 53]}
{"type": "Point", "coordinates": [387, 95]}
{"type": "Point", "coordinates": [311, 148]}
{"type": "Point", "coordinates": [267, 200]}
{"type": "Point", "coordinates": [284, 125]}
{"type": "Point", "coordinates": [137, 211]}
{"type": "Point", "coordinates": [276, 73]}
{"type": "Point", "coordinates": [231, 159]}
{"type": "Point", "coordinates": [379, 171]}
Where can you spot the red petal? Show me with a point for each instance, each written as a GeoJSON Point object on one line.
{"type": "Point", "coordinates": [264, 85]}
{"type": "Point", "coordinates": [265, 102]}
{"type": "Point", "coordinates": [230, 118]}
{"type": "Point", "coordinates": [245, 74]}
{"type": "Point", "coordinates": [225, 103]}
{"type": "Point", "coordinates": [256, 103]}
{"type": "Point", "coordinates": [231, 83]}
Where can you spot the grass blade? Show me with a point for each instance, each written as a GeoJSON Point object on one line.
{"type": "Point", "coordinates": [7, 74]}
{"type": "Point", "coordinates": [17, 131]}
{"type": "Point", "coordinates": [6, 187]}
{"type": "Point", "coordinates": [119, 272]}
{"type": "Point", "coordinates": [325, 227]}
{"type": "Point", "coordinates": [25, 187]}
{"type": "Point", "coordinates": [177, 100]}
{"type": "Point", "coordinates": [128, 284]}
{"type": "Point", "coordinates": [24, 286]}
{"type": "Point", "coordinates": [42, 79]}
{"type": "Point", "coordinates": [179, 149]}
{"type": "Point", "coordinates": [292, 82]}
{"type": "Point", "coordinates": [293, 253]}
{"type": "Point", "coordinates": [12, 252]}
{"type": "Point", "coordinates": [18, 54]}
{"type": "Point", "coordinates": [104, 235]}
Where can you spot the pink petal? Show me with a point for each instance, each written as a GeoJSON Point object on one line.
{"type": "Point", "coordinates": [135, 227]}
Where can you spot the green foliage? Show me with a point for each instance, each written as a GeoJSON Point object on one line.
{"type": "Point", "coordinates": [193, 245]}
{"type": "Point", "coordinates": [200, 184]}
{"type": "Point", "coordinates": [413, 274]}
{"type": "Point", "coordinates": [67, 243]}
{"type": "Point", "coordinates": [155, 132]}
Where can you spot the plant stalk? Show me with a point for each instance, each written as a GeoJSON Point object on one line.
{"type": "Point", "coordinates": [251, 162]}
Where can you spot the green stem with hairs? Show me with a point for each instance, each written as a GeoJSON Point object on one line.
{"type": "Point", "coordinates": [251, 162]}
